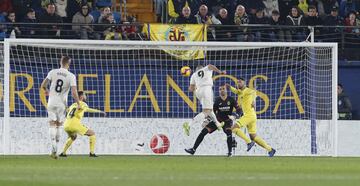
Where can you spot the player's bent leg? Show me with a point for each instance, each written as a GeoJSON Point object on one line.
{"type": "Point", "coordinates": [69, 141]}
{"type": "Point", "coordinates": [92, 141]}
{"type": "Point", "coordinates": [262, 143]}
{"type": "Point", "coordinates": [198, 141]}
{"type": "Point", "coordinates": [237, 130]}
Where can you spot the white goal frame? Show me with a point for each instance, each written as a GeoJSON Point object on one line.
{"type": "Point", "coordinates": [9, 42]}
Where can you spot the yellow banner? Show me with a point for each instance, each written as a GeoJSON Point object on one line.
{"type": "Point", "coordinates": [164, 32]}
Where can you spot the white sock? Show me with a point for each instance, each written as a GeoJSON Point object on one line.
{"type": "Point", "coordinates": [57, 136]}
{"type": "Point", "coordinates": [52, 133]}
{"type": "Point", "coordinates": [199, 118]}
{"type": "Point", "coordinates": [213, 117]}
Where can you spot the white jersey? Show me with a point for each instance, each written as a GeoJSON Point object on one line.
{"type": "Point", "coordinates": [61, 82]}
{"type": "Point", "coordinates": [202, 77]}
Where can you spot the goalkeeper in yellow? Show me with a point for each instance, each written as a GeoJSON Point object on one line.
{"type": "Point", "coordinates": [73, 125]}
{"type": "Point", "coordinates": [247, 97]}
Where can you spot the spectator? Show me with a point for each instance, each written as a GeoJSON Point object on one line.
{"type": "Point", "coordinates": [160, 9]}
{"type": "Point", "coordinates": [5, 6]}
{"type": "Point", "coordinates": [313, 20]}
{"type": "Point", "coordinates": [104, 11]}
{"type": "Point", "coordinates": [344, 104]}
{"type": "Point", "coordinates": [241, 18]}
{"type": "Point", "coordinates": [347, 6]}
{"type": "Point", "coordinates": [276, 33]}
{"type": "Point", "coordinates": [186, 17]}
{"type": "Point", "coordinates": [195, 4]}
{"type": "Point", "coordinates": [352, 21]}
{"type": "Point", "coordinates": [111, 31]}
{"type": "Point", "coordinates": [333, 20]}
{"type": "Point", "coordinates": [175, 8]}
{"type": "Point", "coordinates": [19, 7]}
{"type": "Point", "coordinates": [224, 33]}
{"type": "Point", "coordinates": [303, 6]}
{"type": "Point", "coordinates": [270, 6]}
{"type": "Point", "coordinates": [203, 16]}
{"type": "Point", "coordinates": [29, 30]}
{"type": "Point", "coordinates": [295, 19]}
{"type": "Point", "coordinates": [352, 35]}
{"type": "Point", "coordinates": [260, 33]}
{"type": "Point", "coordinates": [128, 30]}
{"type": "Point", "coordinates": [61, 6]}
{"type": "Point", "coordinates": [12, 30]}
{"type": "Point", "coordinates": [285, 7]}
{"type": "Point", "coordinates": [83, 17]}
{"type": "Point", "coordinates": [53, 27]}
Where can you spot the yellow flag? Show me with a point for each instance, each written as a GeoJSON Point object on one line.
{"type": "Point", "coordinates": [178, 33]}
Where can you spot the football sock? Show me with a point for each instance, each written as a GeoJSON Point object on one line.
{"type": "Point", "coordinates": [52, 133]}
{"type": "Point", "coordinates": [68, 143]}
{"type": "Point", "coordinates": [241, 134]}
{"type": "Point", "coordinates": [262, 143]}
{"type": "Point", "coordinates": [229, 140]}
{"type": "Point", "coordinates": [200, 138]}
{"type": "Point", "coordinates": [57, 136]}
{"type": "Point", "coordinates": [199, 118]}
{"type": "Point", "coordinates": [92, 144]}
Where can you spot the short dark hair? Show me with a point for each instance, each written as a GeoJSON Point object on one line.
{"type": "Point", "coordinates": [65, 60]}
{"type": "Point", "coordinates": [312, 7]}
{"type": "Point", "coordinates": [275, 12]}
{"type": "Point", "coordinates": [80, 93]}
{"type": "Point", "coordinates": [51, 3]}
{"type": "Point", "coordinates": [241, 78]}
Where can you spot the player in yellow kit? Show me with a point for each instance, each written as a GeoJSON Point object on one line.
{"type": "Point", "coordinates": [73, 125]}
{"type": "Point", "coordinates": [247, 98]}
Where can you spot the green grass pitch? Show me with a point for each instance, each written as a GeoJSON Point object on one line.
{"type": "Point", "coordinates": [178, 170]}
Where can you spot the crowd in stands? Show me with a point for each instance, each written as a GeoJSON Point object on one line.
{"type": "Point", "coordinates": [67, 19]}
{"type": "Point", "coordinates": [326, 15]}
{"type": "Point", "coordinates": [95, 19]}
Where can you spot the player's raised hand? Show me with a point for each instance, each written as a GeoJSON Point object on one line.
{"type": "Point", "coordinates": [223, 72]}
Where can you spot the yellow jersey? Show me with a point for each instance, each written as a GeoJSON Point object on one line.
{"type": "Point", "coordinates": [247, 98]}
{"type": "Point", "coordinates": [75, 114]}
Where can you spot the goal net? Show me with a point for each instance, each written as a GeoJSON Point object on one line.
{"type": "Point", "coordinates": [140, 86]}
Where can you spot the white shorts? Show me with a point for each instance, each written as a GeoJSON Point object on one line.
{"type": "Point", "coordinates": [56, 113]}
{"type": "Point", "coordinates": [206, 97]}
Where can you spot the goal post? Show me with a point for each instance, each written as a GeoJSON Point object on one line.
{"type": "Point", "coordinates": [139, 85]}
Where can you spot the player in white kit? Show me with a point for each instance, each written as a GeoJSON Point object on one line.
{"type": "Point", "coordinates": [61, 81]}
{"type": "Point", "coordinates": [201, 83]}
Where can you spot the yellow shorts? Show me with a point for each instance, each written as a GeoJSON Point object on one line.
{"type": "Point", "coordinates": [73, 127]}
{"type": "Point", "coordinates": [249, 122]}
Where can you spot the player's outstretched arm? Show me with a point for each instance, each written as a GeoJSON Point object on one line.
{"type": "Point", "coordinates": [214, 68]}
{"type": "Point", "coordinates": [232, 89]}
{"type": "Point", "coordinates": [44, 85]}
{"type": "Point", "coordinates": [91, 110]}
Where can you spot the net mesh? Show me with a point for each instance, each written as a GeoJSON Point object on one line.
{"type": "Point", "coordinates": [294, 84]}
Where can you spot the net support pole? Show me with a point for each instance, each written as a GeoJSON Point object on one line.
{"type": "Point", "coordinates": [334, 98]}
{"type": "Point", "coordinates": [6, 136]}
